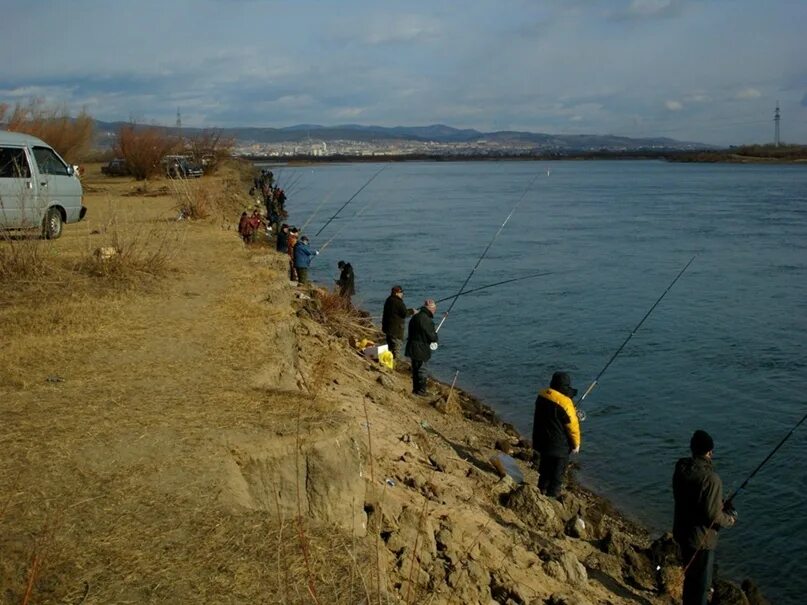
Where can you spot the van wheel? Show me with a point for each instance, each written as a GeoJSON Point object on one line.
{"type": "Point", "coordinates": [52, 225]}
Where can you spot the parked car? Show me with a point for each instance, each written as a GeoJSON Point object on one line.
{"type": "Point", "coordinates": [116, 167]}
{"type": "Point", "coordinates": [38, 189]}
{"type": "Point", "coordinates": [181, 167]}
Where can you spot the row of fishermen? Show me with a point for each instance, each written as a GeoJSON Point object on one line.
{"type": "Point", "coordinates": [700, 511]}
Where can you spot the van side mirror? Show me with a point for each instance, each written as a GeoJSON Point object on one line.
{"type": "Point", "coordinates": [71, 170]}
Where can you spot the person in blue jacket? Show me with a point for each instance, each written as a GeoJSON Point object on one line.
{"type": "Point", "coordinates": [302, 259]}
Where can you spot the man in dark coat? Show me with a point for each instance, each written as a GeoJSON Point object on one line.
{"type": "Point", "coordinates": [421, 341]}
{"type": "Point", "coordinates": [346, 281]}
{"type": "Point", "coordinates": [392, 321]}
{"type": "Point", "coordinates": [699, 513]}
{"type": "Point", "coordinates": [555, 432]}
{"type": "Point", "coordinates": [282, 243]}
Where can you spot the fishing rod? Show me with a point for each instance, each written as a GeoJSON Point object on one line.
{"type": "Point", "coordinates": [498, 283]}
{"type": "Point", "coordinates": [479, 260]}
{"type": "Point", "coordinates": [594, 382]}
{"type": "Point", "coordinates": [728, 503]}
{"type": "Point", "coordinates": [317, 209]}
{"type": "Point", "coordinates": [767, 458]}
{"type": "Point", "coordinates": [328, 222]}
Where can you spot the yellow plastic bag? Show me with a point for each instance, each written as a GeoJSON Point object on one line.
{"type": "Point", "coordinates": [386, 359]}
{"type": "Point", "coordinates": [364, 343]}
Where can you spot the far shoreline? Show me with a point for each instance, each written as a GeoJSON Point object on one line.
{"type": "Point", "coordinates": [694, 157]}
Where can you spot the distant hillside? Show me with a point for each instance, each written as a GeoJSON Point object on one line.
{"type": "Point", "coordinates": [436, 133]}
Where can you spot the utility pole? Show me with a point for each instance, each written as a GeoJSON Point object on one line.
{"type": "Point", "coordinates": [776, 118]}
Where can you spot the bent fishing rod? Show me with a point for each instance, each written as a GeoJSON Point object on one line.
{"type": "Point", "coordinates": [765, 461]}
{"type": "Point", "coordinates": [594, 382]}
{"type": "Point", "coordinates": [498, 283]}
{"type": "Point", "coordinates": [352, 197]}
{"type": "Point", "coordinates": [479, 260]}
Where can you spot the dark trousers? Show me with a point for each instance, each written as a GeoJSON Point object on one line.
{"type": "Point", "coordinates": [550, 474]}
{"type": "Point", "coordinates": [698, 576]}
{"type": "Point", "coordinates": [419, 377]}
{"type": "Point", "coordinates": [302, 274]}
{"type": "Point", "coordinates": [395, 345]}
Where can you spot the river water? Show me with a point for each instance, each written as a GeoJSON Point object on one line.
{"type": "Point", "coordinates": [724, 351]}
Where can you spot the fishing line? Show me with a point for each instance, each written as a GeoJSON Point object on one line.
{"type": "Point", "coordinates": [581, 414]}
{"type": "Point", "coordinates": [317, 209]}
{"type": "Point", "coordinates": [479, 260]}
{"type": "Point", "coordinates": [498, 283]}
{"type": "Point", "coordinates": [349, 222]}
{"type": "Point", "coordinates": [352, 197]}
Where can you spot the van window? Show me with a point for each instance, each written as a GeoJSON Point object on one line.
{"type": "Point", "coordinates": [14, 164]}
{"type": "Point", "coordinates": [49, 162]}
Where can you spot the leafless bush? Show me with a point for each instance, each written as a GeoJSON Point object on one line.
{"type": "Point", "coordinates": [70, 137]}
{"type": "Point", "coordinates": [143, 148]}
{"type": "Point", "coordinates": [195, 200]}
{"type": "Point", "coordinates": [209, 148]}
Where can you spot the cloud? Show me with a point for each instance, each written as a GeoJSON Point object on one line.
{"type": "Point", "coordinates": [697, 97]}
{"type": "Point", "coordinates": [674, 105]}
{"type": "Point", "coordinates": [387, 29]}
{"type": "Point", "coordinates": [748, 93]}
{"type": "Point", "coordinates": [804, 100]}
{"type": "Point", "coordinates": [639, 10]}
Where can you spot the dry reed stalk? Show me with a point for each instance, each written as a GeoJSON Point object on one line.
{"type": "Point", "coordinates": [468, 550]}
{"type": "Point", "coordinates": [415, 549]}
{"type": "Point", "coordinates": [300, 530]}
{"type": "Point", "coordinates": [11, 494]}
{"type": "Point", "coordinates": [372, 482]}
{"type": "Point", "coordinates": [453, 384]}
{"type": "Point", "coordinates": [285, 582]}
{"type": "Point", "coordinates": [41, 547]}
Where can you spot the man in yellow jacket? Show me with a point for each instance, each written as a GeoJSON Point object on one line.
{"type": "Point", "coordinates": [555, 432]}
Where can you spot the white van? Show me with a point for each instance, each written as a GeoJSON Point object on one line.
{"type": "Point", "coordinates": [38, 189]}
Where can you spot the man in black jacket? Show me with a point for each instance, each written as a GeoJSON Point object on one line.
{"type": "Point", "coordinates": [282, 243]}
{"type": "Point", "coordinates": [392, 321]}
{"type": "Point", "coordinates": [421, 341]}
{"type": "Point", "coordinates": [346, 281]}
{"type": "Point", "coordinates": [699, 513]}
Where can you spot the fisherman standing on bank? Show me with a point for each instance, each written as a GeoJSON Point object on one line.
{"type": "Point", "coordinates": [555, 432]}
{"type": "Point", "coordinates": [699, 513]}
{"type": "Point", "coordinates": [302, 259]}
{"type": "Point", "coordinates": [392, 321]}
{"type": "Point", "coordinates": [421, 341]}
{"type": "Point", "coordinates": [346, 281]}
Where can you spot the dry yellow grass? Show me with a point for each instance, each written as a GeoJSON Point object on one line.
{"type": "Point", "coordinates": [116, 385]}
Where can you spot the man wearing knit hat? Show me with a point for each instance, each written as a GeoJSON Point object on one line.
{"type": "Point", "coordinates": [421, 341]}
{"type": "Point", "coordinates": [555, 432]}
{"type": "Point", "coordinates": [699, 513]}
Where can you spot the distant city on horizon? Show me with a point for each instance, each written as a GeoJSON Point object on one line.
{"type": "Point", "coordinates": [433, 140]}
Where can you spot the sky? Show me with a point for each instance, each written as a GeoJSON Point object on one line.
{"type": "Point", "coordinates": [697, 70]}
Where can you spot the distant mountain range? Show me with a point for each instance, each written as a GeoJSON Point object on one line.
{"type": "Point", "coordinates": [436, 133]}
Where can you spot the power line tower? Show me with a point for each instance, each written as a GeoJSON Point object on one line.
{"type": "Point", "coordinates": [776, 118]}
